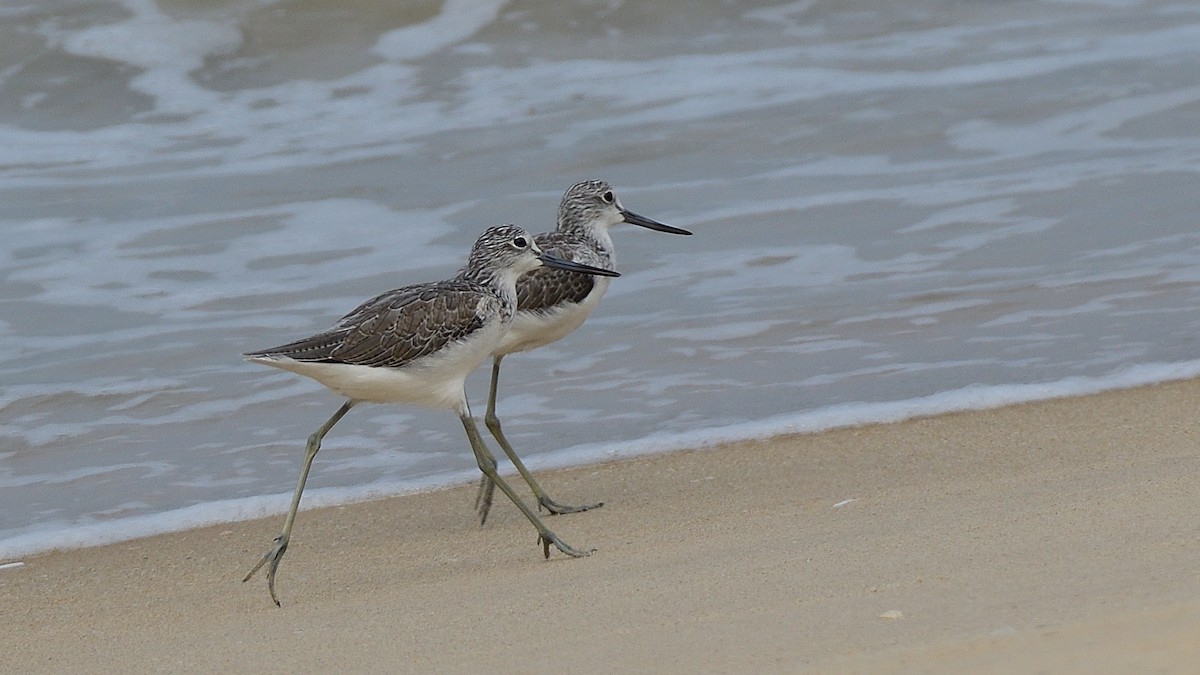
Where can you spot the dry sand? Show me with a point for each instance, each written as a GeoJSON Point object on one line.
{"type": "Point", "coordinates": [1061, 536]}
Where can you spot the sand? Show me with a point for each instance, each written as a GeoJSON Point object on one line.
{"type": "Point", "coordinates": [1060, 536]}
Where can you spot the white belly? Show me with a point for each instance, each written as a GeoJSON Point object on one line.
{"type": "Point", "coordinates": [434, 381]}
{"type": "Point", "coordinates": [530, 330]}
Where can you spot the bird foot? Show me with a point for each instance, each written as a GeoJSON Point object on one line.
{"type": "Point", "coordinates": [547, 537]}
{"type": "Point", "coordinates": [558, 509]}
{"type": "Point", "coordinates": [273, 557]}
{"type": "Point", "coordinates": [487, 490]}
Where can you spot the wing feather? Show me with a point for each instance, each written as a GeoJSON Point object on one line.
{"type": "Point", "coordinates": [544, 288]}
{"type": "Point", "coordinates": [396, 328]}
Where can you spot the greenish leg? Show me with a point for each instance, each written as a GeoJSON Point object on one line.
{"type": "Point", "coordinates": [274, 555]}
{"type": "Point", "coordinates": [483, 498]}
{"type": "Point", "coordinates": [487, 464]}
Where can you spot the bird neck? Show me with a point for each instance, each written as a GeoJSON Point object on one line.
{"type": "Point", "coordinates": [501, 282]}
{"type": "Point", "coordinates": [594, 233]}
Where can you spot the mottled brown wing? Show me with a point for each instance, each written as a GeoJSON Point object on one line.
{"type": "Point", "coordinates": [544, 288]}
{"type": "Point", "coordinates": [395, 328]}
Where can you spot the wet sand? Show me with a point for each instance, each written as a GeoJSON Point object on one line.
{"type": "Point", "coordinates": [1061, 536]}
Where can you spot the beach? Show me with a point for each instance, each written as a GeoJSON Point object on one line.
{"type": "Point", "coordinates": [918, 396]}
{"type": "Point", "coordinates": [1055, 536]}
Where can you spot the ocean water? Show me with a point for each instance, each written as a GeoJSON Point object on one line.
{"type": "Point", "coordinates": [899, 209]}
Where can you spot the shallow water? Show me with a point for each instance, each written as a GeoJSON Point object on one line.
{"type": "Point", "coordinates": [932, 206]}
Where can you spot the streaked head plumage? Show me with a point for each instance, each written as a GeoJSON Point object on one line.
{"type": "Point", "coordinates": [502, 248]}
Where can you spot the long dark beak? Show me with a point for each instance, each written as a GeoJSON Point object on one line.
{"type": "Point", "coordinates": [560, 264]}
{"type": "Point", "coordinates": [642, 221]}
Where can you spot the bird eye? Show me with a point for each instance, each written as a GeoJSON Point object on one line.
{"type": "Point", "coordinates": [520, 242]}
{"type": "Point", "coordinates": [608, 197]}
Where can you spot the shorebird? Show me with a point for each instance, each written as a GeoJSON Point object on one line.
{"type": "Point", "coordinates": [417, 345]}
{"type": "Point", "coordinates": [552, 303]}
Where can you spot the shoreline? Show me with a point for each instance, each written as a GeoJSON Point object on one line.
{"type": "Point", "coordinates": [971, 398]}
{"type": "Point", "coordinates": [1062, 533]}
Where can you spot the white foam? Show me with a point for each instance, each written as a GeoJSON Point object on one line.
{"type": "Point", "coordinates": [167, 50]}
{"type": "Point", "coordinates": [458, 20]}
{"type": "Point", "coordinates": [309, 124]}
{"type": "Point", "coordinates": [976, 397]}
{"type": "Point", "coordinates": [363, 229]}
